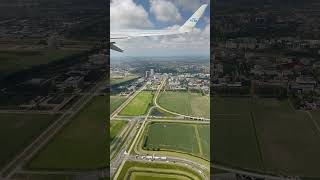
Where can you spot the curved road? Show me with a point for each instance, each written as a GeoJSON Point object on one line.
{"type": "Point", "coordinates": [171, 112]}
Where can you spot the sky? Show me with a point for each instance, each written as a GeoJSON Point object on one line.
{"type": "Point", "coordinates": [160, 14]}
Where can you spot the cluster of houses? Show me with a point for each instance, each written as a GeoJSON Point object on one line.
{"type": "Point", "coordinates": [188, 81]}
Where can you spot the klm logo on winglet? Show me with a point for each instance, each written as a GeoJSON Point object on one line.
{"type": "Point", "coordinates": [194, 20]}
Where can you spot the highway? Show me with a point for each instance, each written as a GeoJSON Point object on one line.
{"type": "Point", "coordinates": [121, 158]}
{"type": "Point", "coordinates": [123, 155]}
{"type": "Point", "coordinates": [123, 105]}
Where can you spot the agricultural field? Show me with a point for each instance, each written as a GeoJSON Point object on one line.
{"type": "Point", "coordinates": [116, 127]}
{"type": "Point", "coordinates": [13, 61]}
{"type": "Point", "coordinates": [156, 171]}
{"type": "Point", "coordinates": [44, 176]}
{"type": "Point", "coordinates": [115, 102]}
{"type": "Point", "coordinates": [139, 105]}
{"type": "Point", "coordinates": [18, 130]}
{"type": "Point", "coordinates": [118, 80]}
{"type": "Point", "coordinates": [147, 175]}
{"type": "Point", "coordinates": [266, 135]}
{"type": "Point", "coordinates": [233, 134]}
{"type": "Point", "coordinates": [194, 104]}
{"type": "Point", "coordinates": [168, 137]}
{"type": "Point", "coordinates": [316, 116]}
{"type": "Point", "coordinates": [291, 134]}
{"type": "Point", "coordinates": [204, 139]}
{"type": "Point", "coordinates": [81, 144]}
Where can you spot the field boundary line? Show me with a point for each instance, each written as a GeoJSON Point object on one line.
{"type": "Point", "coordinates": [314, 121]}
{"type": "Point", "coordinates": [257, 139]}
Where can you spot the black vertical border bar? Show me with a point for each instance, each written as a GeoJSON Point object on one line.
{"type": "Point", "coordinates": [212, 58]}
{"type": "Point", "coordinates": [107, 50]}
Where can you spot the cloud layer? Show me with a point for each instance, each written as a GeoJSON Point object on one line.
{"type": "Point", "coordinates": [127, 14]}
{"type": "Point", "coordinates": [164, 11]}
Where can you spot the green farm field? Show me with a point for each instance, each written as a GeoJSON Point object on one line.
{"type": "Point", "coordinates": [116, 127]}
{"type": "Point", "coordinates": [45, 176]}
{"type": "Point", "coordinates": [160, 112]}
{"type": "Point", "coordinates": [115, 102]}
{"type": "Point", "coordinates": [18, 130]}
{"type": "Point", "coordinates": [139, 105]}
{"type": "Point", "coordinates": [194, 140]}
{"type": "Point", "coordinates": [316, 116]}
{"type": "Point", "coordinates": [265, 135]}
{"type": "Point", "coordinates": [186, 103]}
{"type": "Point", "coordinates": [81, 144]}
{"type": "Point", "coordinates": [143, 175]}
{"type": "Point", "coordinates": [204, 139]}
{"type": "Point", "coordinates": [116, 80]}
{"type": "Point", "coordinates": [147, 171]}
{"type": "Point", "coordinates": [13, 61]}
{"type": "Point", "coordinates": [233, 134]}
{"type": "Point", "coordinates": [290, 141]}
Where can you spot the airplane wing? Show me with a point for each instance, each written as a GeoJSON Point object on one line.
{"type": "Point", "coordinates": [114, 47]}
{"type": "Point", "coordinates": [185, 28]}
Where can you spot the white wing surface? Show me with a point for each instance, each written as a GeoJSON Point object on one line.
{"type": "Point", "coordinates": [128, 34]}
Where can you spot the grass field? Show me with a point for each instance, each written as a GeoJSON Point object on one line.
{"type": "Point", "coordinates": [13, 61]}
{"type": "Point", "coordinates": [204, 138]}
{"type": "Point", "coordinates": [156, 171]}
{"type": "Point", "coordinates": [160, 112]}
{"type": "Point", "coordinates": [44, 176]}
{"type": "Point", "coordinates": [265, 135]}
{"type": "Point", "coordinates": [18, 130]}
{"type": "Point", "coordinates": [142, 175]}
{"type": "Point", "coordinates": [289, 139]}
{"type": "Point", "coordinates": [116, 80]}
{"type": "Point", "coordinates": [115, 102]}
{"type": "Point", "coordinates": [316, 116]}
{"type": "Point", "coordinates": [139, 105]}
{"type": "Point", "coordinates": [233, 134]}
{"type": "Point", "coordinates": [186, 103]}
{"type": "Point", "coordinates": [168, 137]}
{"type": "Point", "coordinates": [81, 144]}
{"type": "Point", "coordinates": [116, 127]}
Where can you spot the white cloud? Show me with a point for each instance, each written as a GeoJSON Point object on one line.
{"type": "Point", "coordinates": [164, 11]}
{"type": "Point", "coordinates": [128, 15]}
{"type": "Point", "coordinates": [190, 5]}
